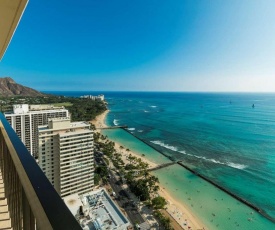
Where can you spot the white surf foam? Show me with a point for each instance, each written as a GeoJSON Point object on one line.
{"type": "Point", "coordinates": [237, 166]}
{"type": "Point", "coordinates": [145, 111]}
{"type": "Point", "coordinates": [115, 121]}
{"type": "Point", "coordinates": [131, 129]}
{"type": "Point", "coordinates": [153, 106]}
{"type": "Point", "coordinates": [230, 164]}
{"type": "Point", "coordinates": [173, 148]}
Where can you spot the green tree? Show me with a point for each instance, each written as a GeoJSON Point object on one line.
{"type": "Point", "coordinates": [158, 202]}
{"type": "Point", "coordinates": [97, 179]}
{"type": "Point", "coordinates": [102, 171]}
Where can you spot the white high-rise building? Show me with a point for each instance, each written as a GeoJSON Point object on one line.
{"type": "Point", "coordinates": [25, 120]}
{"type": "Point", "coordinates": [66, 155]}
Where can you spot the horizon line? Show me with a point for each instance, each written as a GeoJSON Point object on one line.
{"type": "Point", "coordinates": [155, 91]}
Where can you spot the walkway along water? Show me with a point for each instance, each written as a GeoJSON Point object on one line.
{"type": "Point", "coordinates": [259, 210]}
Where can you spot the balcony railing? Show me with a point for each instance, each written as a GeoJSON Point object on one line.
{"type": "Point", "coordinates": [27, 198]}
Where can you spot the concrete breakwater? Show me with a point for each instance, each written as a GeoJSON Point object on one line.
{"type": "Point", "coordinates": [162, 166]}
{"type": "Point", "coordinates": [254, 207]}
{"type": "Point", "coordinates": [166, 155]}
{"type": "Point", "coordinates": [235, 196]}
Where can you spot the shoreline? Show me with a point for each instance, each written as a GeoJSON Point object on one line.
{"type": "Point", "coordinates": [180, 213]}
{"type": "Point", "coordinates": [99, 121]}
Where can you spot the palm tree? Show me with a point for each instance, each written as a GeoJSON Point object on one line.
{"type": "Point", "coordinates": [131, 158]}
{"type": "Point", "coordinates": [139, 161]}
{"type": "Point", "coordinates": [121, 148]}
{"type": "Point", "coordinates": [145, 174]}
{"type": "Point", "coordinates": [152, 183]}
{"type": "Point", "coordinates": [155, 189]}
{"type": "Point", "coordinates": [166, 223]}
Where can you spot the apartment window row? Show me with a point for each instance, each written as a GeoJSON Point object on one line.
{"type": "Point", "coordinates": [75, 158]}
{"type": "Point", "coordinates": [72, 170]}
{"type": "Point", "coordinates": [77, 185]}
{"type": "Point", "coordinates": [75, 148]}
{"type": "Point", "coordinates": [77, 164]}
{"type": "Point", "coordinates": [76, 135]}
{"type": "Point", "coordinates": [75, 179]}
{"type": "Point", "coordinates": [76, 140]}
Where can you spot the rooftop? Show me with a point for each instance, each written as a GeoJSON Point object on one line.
{"type": "Point", "coordinates": [96, 210]}
{"type": "Point", "coordinates": [60, 109]}
{"type": "Point", "coordinates": [75, 132]}
{"type": "Point", "coordinates": [64, 123]}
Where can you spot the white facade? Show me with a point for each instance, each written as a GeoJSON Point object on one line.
{"type": "Point", "coordinates": [100, 212]}
{"type": "Point", "coordinates": [20, 109]}
{"type": "Point", "coordinates": [99, 97]}
{"type": "Point", "coordinates": [66, 155]}
{"type": "Point", "coordinates": [25, 123]}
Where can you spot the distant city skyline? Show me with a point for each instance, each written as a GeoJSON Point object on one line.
{"type": "Point", "coordinates": [156, 45]}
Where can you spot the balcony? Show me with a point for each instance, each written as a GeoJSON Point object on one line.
{"type": "Point", "coordinates": [27, 199]}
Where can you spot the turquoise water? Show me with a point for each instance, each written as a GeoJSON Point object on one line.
{"type": "Point", "coordinates": [219, 135]}
{"type": "Point", "coordinates": [130, 142]}
{"type": "Point", "coordinates": [216, 209]}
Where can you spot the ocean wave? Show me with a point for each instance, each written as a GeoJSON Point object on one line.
{"type": "Point", "coordinates": [131, 129]}
{"type": "Point", "coordinates": [230, 164]}
{"type": "Point", "coordinates": [145, 111]}
{"type": "Point", "coordinates": [140, 131]}
{"type": "Point", "coordinates": [173, 148]}
{"type": "Point", "coordinates": [237, 166]}
{"type": "Point", "coordinates": [184, 152]}
{"type": "Point", "coordinates": [115, 121]}
{"type": "Point", "coordinates": [153, 106]}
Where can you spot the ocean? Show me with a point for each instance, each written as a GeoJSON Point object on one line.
{"type": "Point", "coordinates": [227, 137]}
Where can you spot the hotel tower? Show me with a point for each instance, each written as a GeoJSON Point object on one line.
{"type": "Point", "coordinates": [66, 155]}
{"type": "Point", "coordinates": [25, 120]}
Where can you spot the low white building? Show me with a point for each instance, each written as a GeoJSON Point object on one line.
{"type": "Point", "coordinates": [96, 210]}
{"type": "Point", "coordinates": [99, 97]}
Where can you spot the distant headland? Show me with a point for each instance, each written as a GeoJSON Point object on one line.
{"type": "Point", "coordinates": [8, 87]}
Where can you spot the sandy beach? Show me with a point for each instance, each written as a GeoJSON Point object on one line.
{"type": "Point", "coordinates": [185, 218]}
{"type": "Point", "coordinates": [99, 121]}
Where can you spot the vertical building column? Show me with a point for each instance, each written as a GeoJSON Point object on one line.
{"type": "Point", "coordinates": [28, 218]}
{"type": "Point", "coordinates": [31, 147]}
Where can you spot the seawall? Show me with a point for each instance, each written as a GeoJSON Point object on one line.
{"type": "Point", "coordinates": [166, 155]}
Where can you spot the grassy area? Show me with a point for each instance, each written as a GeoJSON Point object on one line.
{"type": "Point", "coordinates": [63, 104]}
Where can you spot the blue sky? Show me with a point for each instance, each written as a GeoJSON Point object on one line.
{"type": "Point", "coordinates": [144, 45]}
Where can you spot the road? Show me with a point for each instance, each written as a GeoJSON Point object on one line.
{"type": "Point", "coordinates": [122, 196]}
{"type": "Point", "coordinates": [124, 200]}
